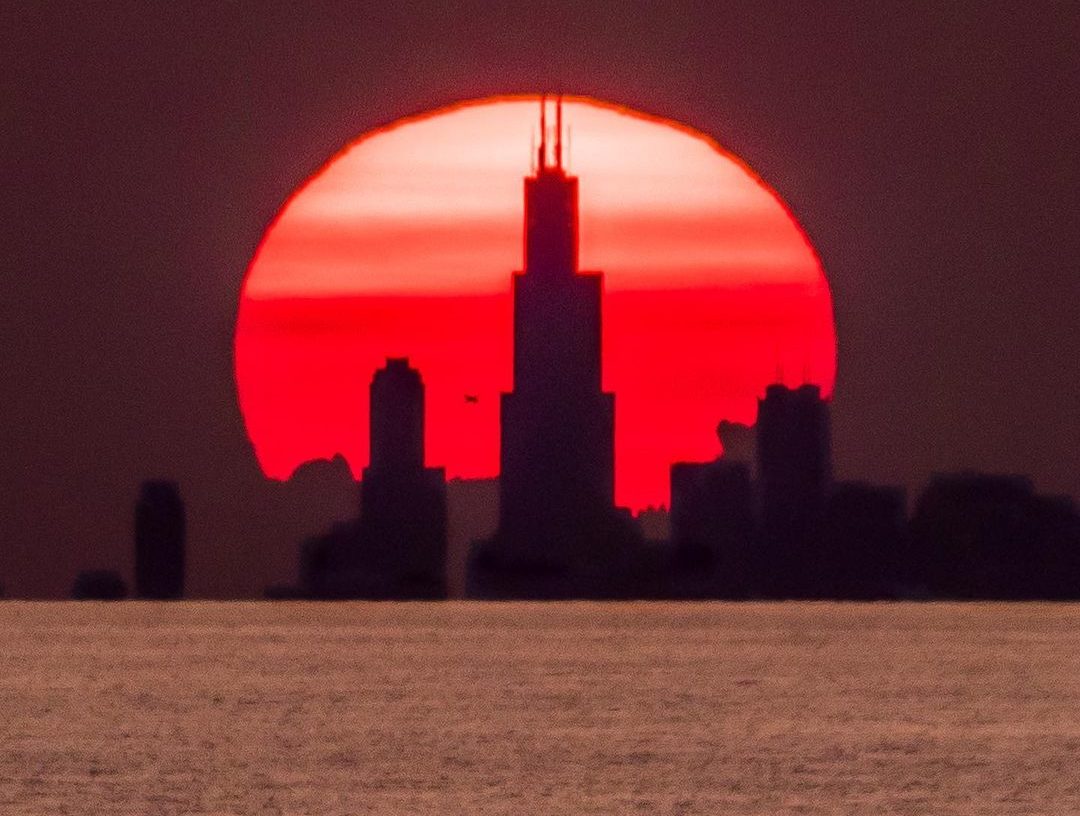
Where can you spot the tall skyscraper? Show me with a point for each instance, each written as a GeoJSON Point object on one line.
{"type": "Point", "coordinates": [557, 476]}
{"type": "Point", "coordinates": [396, 419]}
{"type": "Point", "coordinates": [159, 541]}
{"type": "Point", "coordinates": [397, 548]}
{"type": "Point", "coordinates": [794, 472]}
{"type": "Point", "coordinates": [403, 503]}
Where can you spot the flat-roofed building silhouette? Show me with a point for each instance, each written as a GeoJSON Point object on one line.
{"type": "Point", "coordinates": [984, 535]}
{"type": "Point", "coordinates": [794, 473]}
{"type": "Point", "coordinates": [712, 528]}
{"type": "Point", "coordinates": [160, 534]}
{"type": "Point", "coordinates": [864, 541]}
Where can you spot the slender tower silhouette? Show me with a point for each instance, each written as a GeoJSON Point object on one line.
{"type": "Point", "coordinates": [403, 503]}
{"type": "Point", "coordinates": [794, 471]}
{"type": "Point", "coordinates": [397, 547]}
{"type": "Point", "coordinates": [557, 474]}
{"type": "Point", "coordinates": [159, 541]}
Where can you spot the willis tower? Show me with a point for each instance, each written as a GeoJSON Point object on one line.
{"type": "Point", "coordinates": [559, 534]}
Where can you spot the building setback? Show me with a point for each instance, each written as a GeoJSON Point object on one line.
{"type": "Point", "coordinates": [403, 503]}
{"type": "Point", "coordinates": [396, 549]}
{"type": "Point", "coordinates": [559, 531]}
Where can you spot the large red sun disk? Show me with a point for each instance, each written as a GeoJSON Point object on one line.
{"type": "Point", "coordinates": [403, 245]}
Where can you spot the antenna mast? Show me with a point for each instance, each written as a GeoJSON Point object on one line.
{"type": "Point", "coordinates": [542, 154]}
{"type": "Point", "coordinates": [558, 131]}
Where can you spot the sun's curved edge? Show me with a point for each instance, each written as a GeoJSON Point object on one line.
{"type": "Point", "coordinates": [535, 96]}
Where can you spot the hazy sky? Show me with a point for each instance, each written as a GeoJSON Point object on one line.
{"type": "Point", "coordinates": [930, 153]}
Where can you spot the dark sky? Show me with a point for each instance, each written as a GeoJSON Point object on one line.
{"type": "Point", "coordinates": [931, 155]}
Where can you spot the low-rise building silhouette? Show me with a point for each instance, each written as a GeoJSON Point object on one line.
{"type": "Point", "coordinates": [472, 511]}
{"type": "Point", "coordinates": [160, 534]}
{"type": "Point", "coordinates": [864, 543]}
{"type": "Point", "coordinates": [655, 524]}
{"type": "Point", "coordinates": [712, 526]}
{"type": "Point", "coordinates": [98, 585]}
{"type": "Point", "coordinates": [992, 536]}
{"type": "Point", "coordinates": [738, 443]}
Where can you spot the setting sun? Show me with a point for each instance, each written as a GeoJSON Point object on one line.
{"type": "Point", "coordinates": [404, 245]}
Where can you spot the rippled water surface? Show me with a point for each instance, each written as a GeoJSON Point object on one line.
{"type": "Point", "coordinates": [539, 709]}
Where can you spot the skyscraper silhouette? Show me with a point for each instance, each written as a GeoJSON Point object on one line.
{"type": "Point", "coordinates": [558, 526]}
{"type": "Point", "coordinates": [397, 548]}
{"type": "Point", "coordinates": [159, 541]}
{"type": "Point", "coordinates": [794, 472]}
{"type": "Point", "coordinates": [396, 420]}
{"type": "Point", "coordinates": [403, 503]}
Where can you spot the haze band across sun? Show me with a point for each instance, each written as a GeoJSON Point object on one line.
{"type": "Point", "coordinates": [402, 246]}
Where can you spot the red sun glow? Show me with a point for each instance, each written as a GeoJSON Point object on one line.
{"type": "Point", "coordinates": [403, 246]}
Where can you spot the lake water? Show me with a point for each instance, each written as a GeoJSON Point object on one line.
{"type": "Point", "coordinates": [460, 708]}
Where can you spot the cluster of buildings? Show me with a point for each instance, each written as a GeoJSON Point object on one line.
{"type": "Point", "coordinates": [160, 538]}
{"type": "Point", "coordinates": [396, 548]}
{"type": "Point", "coordinates": [765, 520]}
{"type": "Point", "coordinates": [773, 523]}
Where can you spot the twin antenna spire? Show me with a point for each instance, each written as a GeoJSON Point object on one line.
{"type": "Point", "coordinates": [542, 155]}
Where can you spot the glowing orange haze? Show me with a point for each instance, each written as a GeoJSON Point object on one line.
{"type": "Point", "coordinates": [404, 243]}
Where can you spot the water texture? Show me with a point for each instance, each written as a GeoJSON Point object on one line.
{"type": "Point", "coordinates": [460, 708]}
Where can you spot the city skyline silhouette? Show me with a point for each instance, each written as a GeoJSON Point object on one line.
{"type": "Point", "coordinates": [931, 179]}
{"type": "Point", "coordinates": [400, 245]}
{"type": "Point", "coordinates": [766, 519]}
{"type": "Point", "coordinates": [545, 408]}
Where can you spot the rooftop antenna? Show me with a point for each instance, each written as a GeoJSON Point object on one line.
{"type": "Point", "coordinates": [532, 151]}
{"type": "Point", "coordinates": [542, 155]}
{"type": "Point", "coordinates": [558, 132]}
